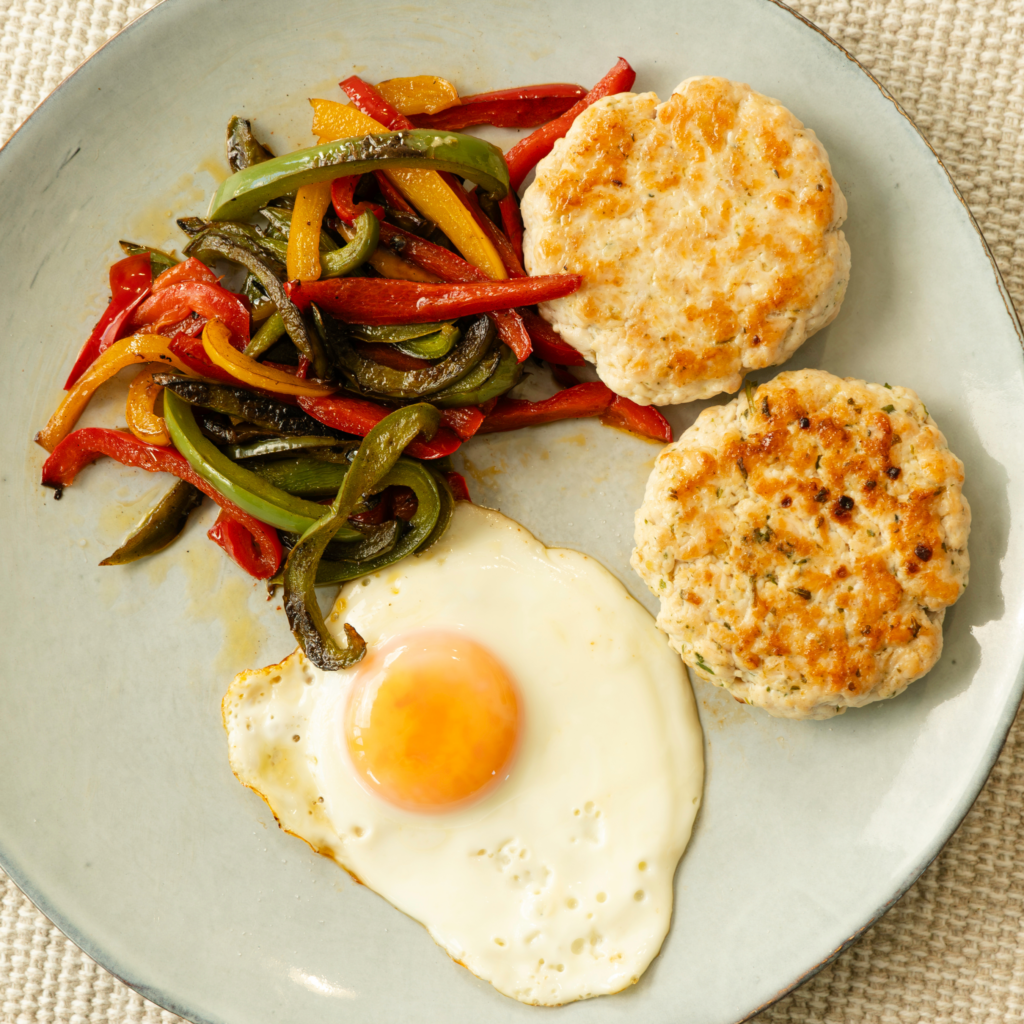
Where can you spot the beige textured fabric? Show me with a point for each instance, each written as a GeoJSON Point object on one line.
{"type": "Point", "coordinates": [953, 949]}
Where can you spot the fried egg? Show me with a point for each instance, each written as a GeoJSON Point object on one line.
{"type": "Point", "coordinates": [516, 763]}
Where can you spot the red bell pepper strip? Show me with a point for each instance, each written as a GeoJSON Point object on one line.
{"type": "Point", "coordinates": [563, 378]}
{"type": "Point", "coordinates": [359, 416]}
{"type": "Point", "coordinates": [644, 420]}
{"type": "Point", "coordinates": [190, 350]}
{"type": "Point", "coordinates": [573, 403]}
{"type": "Point", "coordinates": [526, 153]}
{"type": "Point", "coordinates": [510, 259]}
{"type": "Point", "coordinates": [451, 267]}
{"type": "Point", "coordinates": [130, 274]}
{"type": "Point", "coordinates": [130, 280]}
{"type": "Point", "coordinates": [465, 421]}
{"type": "Point", "coordinates": [381, 301]}
{"type": "Point", "coordinates": [457, 482]}
{"type": "Point", "coordinates": [210, 300]}
{"type": "Point", "coordinates": [577, 402]}
{"type": "Point", "coordinates": [547, 90]}
{"type": "Point", "coordinates": [77, 450]}
{"type": "Point", "coordinates": [391, 195]}
{"type": "Point", "coordinates": [440, 262]}
{"type": "Point", "coordinates": [241, 546]}
{"type": "Point", "coordinates": [188, 270]}
{"type": "Point", "coordinates": [366, 98]}
{"type": "Point", "coordinates": [525, 107]}
{"type": "Point", "coordinates": [192, 326]}
{"type": "Point", "coordinates": [548, 344]}
{"type": "Point", "coordinates": [512, 221]}
{"type": "Point", "coordinates": [396, 502]}
{"type": "Point", "coordinates": [342, 191]}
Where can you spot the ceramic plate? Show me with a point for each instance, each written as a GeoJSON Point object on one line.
{"type": "Point", "coordinates": [119, 816]}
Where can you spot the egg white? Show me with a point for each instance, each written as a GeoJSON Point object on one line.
{"type": "Point", "coordinates": [556, 885]}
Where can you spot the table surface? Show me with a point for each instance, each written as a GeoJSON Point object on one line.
{"type": "Point", "coordinates": [953, 948]}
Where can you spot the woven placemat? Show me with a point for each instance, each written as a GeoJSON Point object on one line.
{"type": "Point", "coordinates": [953, 948]}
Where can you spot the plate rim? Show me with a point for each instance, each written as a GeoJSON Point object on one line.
{"type": "Point", "coordinates": [971, 793]}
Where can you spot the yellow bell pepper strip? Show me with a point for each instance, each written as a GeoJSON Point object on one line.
{"type": "Point", "coordinates": [217, 345]}
{"type": "Point", "coordinates": [140, 409]}
{"type": "Point", "coordinates": [426, 190]}
{"type": "Point", "coordinates": [139, 348]}
{"type": "Point", "coordinates": [311, 203]}
{"type": "Point", "coordinates": [378, 453]}
{"type": "Point", "coordinates": [420, 94]}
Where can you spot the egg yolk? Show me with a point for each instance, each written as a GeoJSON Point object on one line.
{"type": "Point", "coordinates": [432, 721]}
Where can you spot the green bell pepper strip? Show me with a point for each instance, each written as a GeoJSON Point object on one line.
{"type": "Point", "coordinates": [243, 149]}
{"type": "Point", "coordinates": [245, 405]}
{"type": "Point", "coordinates": [352, 255]}
{"type": "Point", "coordinates": [377, 541]}
{"type": "Point", "coordinates": [253, 291]}
{"type": "Point", "coordinates": [158, 259]}
{"type": "Point", "coordinates": [161, 527]}
{"type": "Point", "coordinates": [271, 331]}
{"type": "Point", "coordinates": [306, 476]}
{"type": "Point", "coordinates": [431, 510]}
{"type": "Point", "coordinates": [396, 333]}
{"type": "Point", "coordinates": [249, 492]}
{"type": "Point", "coordinates": [242, 195]}
{"type": "Point", "coordinates": [215, 243]}
{"type": "Point", "coordinates": [270, 250]}
{"type": "Point", "coordinates": [375, 378]}
{"type": "Point", "coordinates": [191, 225]}
{"type": "Point", "coordinates": [445, 511]}
{"type": "Point", "coordinates": [335, 261]}
{"type": "Point", "coordinates": [498, 372]}
{"type": "Point", "coordinates": [375, 460]}
{"type": "Point", "coordinates": [433, 346]}
{"type": "Point", "coordinates": [285, 446]}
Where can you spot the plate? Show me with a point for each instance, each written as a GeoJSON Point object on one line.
{"type": "Point", "coordinates": [119, 816]}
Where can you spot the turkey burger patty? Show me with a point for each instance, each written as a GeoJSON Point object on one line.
{"type": "Point", "coordinates": [805, 541]}
{"type": "Point", "coordinates": [707, 231]}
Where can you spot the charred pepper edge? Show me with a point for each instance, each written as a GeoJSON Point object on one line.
{"type": "Point", "coordinates": [161, 527]}
{"type": "Point", "coordinates": [378, 453]}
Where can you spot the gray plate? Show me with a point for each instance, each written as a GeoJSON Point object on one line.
{"type": "Point", "coordinates": [119, 816]}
